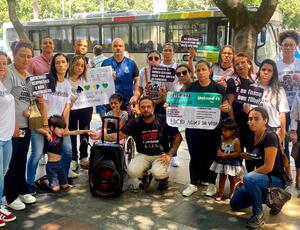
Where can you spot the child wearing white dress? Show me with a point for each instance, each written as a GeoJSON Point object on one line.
{"type": "Point", "coordinates": [228, 162]}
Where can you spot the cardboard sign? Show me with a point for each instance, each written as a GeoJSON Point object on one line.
{"type": "Point", "coordinates": [39, 85]}
{"type": "Point", "coordinates": [97, 90]}
{"type": "Point", "coordinates": [190, 41]}
{"type": "Point", "coordinates": [251, 95]}
{"type": "Point", "coordinates": [208, 53]}
{"type": "Point", "coordinates": [162, 74]}
{"type": "Point", "coordinates": [193, 110]}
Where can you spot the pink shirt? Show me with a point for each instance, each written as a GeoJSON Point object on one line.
{"type": "Point", "coordinates": [39, 65]}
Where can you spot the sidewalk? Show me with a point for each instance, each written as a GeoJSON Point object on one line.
{"type": "Point", "coordinates": [148, 209]}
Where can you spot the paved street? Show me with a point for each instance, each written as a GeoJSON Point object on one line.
{"type": "Point", "coordinates": [148, 209]}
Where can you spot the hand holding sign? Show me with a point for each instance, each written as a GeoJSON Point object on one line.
{"type": "Point", "coordinates": [188, 41]}
{"type": "Point", "coordinates": [162, 74]}
{"type": "Point", "coordinates": [39, 85]}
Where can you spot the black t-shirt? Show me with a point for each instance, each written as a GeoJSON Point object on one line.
{"type": "Point", "coordinates": [54, 145]}
{"type": "Point", "coordinates": [151, 138]}
{"type": "Point", "coordinates": [257, 152]}
{"type": "Point", "coordinates": [233, 87]}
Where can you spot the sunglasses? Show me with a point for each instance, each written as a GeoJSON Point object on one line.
{"type": "Point", "coordinates": [183, 73]}
{"type": "Point", "coordinates": [153, 58]}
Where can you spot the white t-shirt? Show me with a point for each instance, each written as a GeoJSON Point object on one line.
{"type": "Point", "coordinates": [59, 99]}
{"type": "Point", "coordinates": [289, 77]}
{"type": "Point", "coordinates": [75, 92]}
{"type": "Point", "coordinates": [7, 115]}
{"type": "Point", "coordinates": [220, 73]}
{"type": "Point", "coordinates": [269, 102]}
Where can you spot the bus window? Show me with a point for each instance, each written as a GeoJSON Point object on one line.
{"type": "Point", "coordinates": [34, 37]}
{"type": "Point", "coordinates": [11, 37]}
{"type": "Point", "coordinates": [266, 46]}
{"type": "Point", "coordinates": [187, 27]}
{"type": "Point", "coordinates": [88, 32]}
{"type": "Point", "coordinates": [148, 36]}
{"type": "Point", "coordinates": [109, 32]}
{"type": "Point", "coordinates": [62, 37]}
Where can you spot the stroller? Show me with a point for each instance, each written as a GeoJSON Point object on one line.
{"type": "Point", "coordinates": [108, 164]}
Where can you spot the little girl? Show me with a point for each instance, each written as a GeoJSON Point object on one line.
{"type": "Point", "coordinates": [57, 178]}
{"type": "Point", "coordinates": [110, 125]}
{"type": "Point", "coordinates": [229, 162]}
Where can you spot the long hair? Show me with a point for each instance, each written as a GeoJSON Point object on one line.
{"type": "Point", "coordinates": [75, 59]}
{"type": "Point", "coordinates": [245, 55]}
{"type": "Point", "coordinates": [274, 82]}
{"type": "Point", "coordinates": [53, 72]}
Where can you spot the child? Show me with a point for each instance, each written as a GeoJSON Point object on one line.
{"type": "Point", "coordinates": [115, 101]}
{"type": "Point", "coordinates": [229, 161]}
{"type": "Point", "coordinates": [57, 179]}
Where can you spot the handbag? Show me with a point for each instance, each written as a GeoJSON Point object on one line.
{"type": "Point", "coordinates": [35, 117]}
{"type": "Point", "coordinates": [276, 197]}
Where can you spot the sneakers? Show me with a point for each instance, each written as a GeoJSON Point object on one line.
{"type": "Point", "coordinates": [146, 180]}
{"type": "Point", "coordinates": [163, 184]}
{"type": "Point", "coordinates": [190, 190]}
{"type": "Point", "coordinates": [6, 215]}
{"type": "Point", "coordinates": [84, 163]}
{"type": "Point", "coordinates": [211, 190]}
{"type": "Point", "coordinates": [174, 162]}
{"type": "Point", "coordinates": [32, 189]}
{"type": "Point", "coordinates": [17, 204]}
{"type": "Point", "coordinates": [204, 183]}
{"type": "Point", "coordinates": [27, 198]}
{"type": "Point", "coordinates": [74, 165]}
{"type": "Point", "coordinates": [255, 221]}
{"type": "Point", "coordinates": [72, 174]}
{"type": "Point", "coordinates": [2, 223]}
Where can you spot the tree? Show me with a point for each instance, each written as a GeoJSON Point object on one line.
{"type": "Point", "coordinates": [15, 20]}
{"type": "Point", "coordinates": [246, 24]}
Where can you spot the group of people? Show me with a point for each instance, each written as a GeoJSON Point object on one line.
{"type": "Point", "coordinates": [140, 103]}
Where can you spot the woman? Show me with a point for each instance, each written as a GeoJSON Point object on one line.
{"type": "Point", "coordinates": [289, 71]}
{"type": "Point", "coordinates": [15, 186]}
{"type": "Point", "coordinates": [265, 153]}
{"type": "Point", "coordinates": [168, 56]}
{"type": "Point", "coordinates": [202, 144]}
{"type": "Point", "coordinates": [274, 99]}
{"type": "Point", "coordinates": [183, 74]}
{"type": "Point", "coordinates": [7, 124]}
{"type": "Point", "coordinates": [242, 77]}
{"type": "Point", "coordinates": [58, 103]}
{"type": "Point", "coordinates": [80, 118]}
{"type": "Point", "coordinates": [224, 70]}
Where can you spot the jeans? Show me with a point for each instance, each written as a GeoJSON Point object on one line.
{"type": "Point", "coordinates": [56, 174]}
{"type": "Point", "coordinates": [37, 151]}
{"type": "Point", "coordinates": [15, 181]}
{"type": "Point", "coordinates": [5, 156]}
{"type": "Point", "coordinates": [253, 192]}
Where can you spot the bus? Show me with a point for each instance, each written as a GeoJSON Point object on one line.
{"type": "Point", "coordinates": [143, 31]}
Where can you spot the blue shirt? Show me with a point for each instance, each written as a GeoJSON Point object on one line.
{"type": "Point", "coordinates": [126, 71]}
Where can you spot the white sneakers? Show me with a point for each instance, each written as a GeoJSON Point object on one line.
{"type": "Point", "coordinates": [72, 174]}
{"type": "Point", "coordinates": [175, 162]}
{"type": "Point", "coordinates": [74, 165]}
{"type": "Point", "coordinates": [211, 190]}
{"type": "Point", "coordinates": [190, 190]}
{"type": "Point", "coordinates": [19, 203]}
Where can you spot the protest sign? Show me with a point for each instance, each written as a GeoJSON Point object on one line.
{"type": "Point", "coordinates": [208, 53]}
{"type": "Point", "coordinates": [97, 90]}
{"type": "Point", "coordinates": [39, 85]}
{"type": "Point", "coordinates": [193, 110]}
{"type": "Point", "coordinates": [190, 41]}
{"type": "Point", "coordinates": [251, 95]}
{"type": "Point", "coordinates": [162, 74]}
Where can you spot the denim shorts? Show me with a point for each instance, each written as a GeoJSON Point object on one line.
{"type": "Point", "coordinates": [56, 173]}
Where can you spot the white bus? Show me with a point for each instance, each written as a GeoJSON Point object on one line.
{"type": "Point", "coordinates": [144, 31]}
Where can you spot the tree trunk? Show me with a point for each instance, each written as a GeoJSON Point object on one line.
{"type": "Point", "coordinates": [36, 9]}
{"type": "Point", "coordinates": [245, 39]}
{"type": "Point", "coordinates": [15, 21]}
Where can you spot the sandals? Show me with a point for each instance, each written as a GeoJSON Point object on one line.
{"type": "Point", "coordinates": [219, 197]}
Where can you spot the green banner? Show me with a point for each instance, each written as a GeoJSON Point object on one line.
{"type": "Point", "coordinates": [208, 53]}
{"type": "Point", "coordinates": [210, 100]}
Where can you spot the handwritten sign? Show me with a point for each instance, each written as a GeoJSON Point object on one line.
{"type": "Point", "coordinates": [39, 85]}
{"type": "Point", "coordinates": [190, 41]}
{"type": "Point", "coordinates": [251, 95]}
{"type": "Point", "coordinates": [208, 53]}
{"type": "Point", "coordinates": [97, 90]}
{"type": "Point", "coordinates": [162, 74]}
{"type": "Point", "coordinates": [193, 110]}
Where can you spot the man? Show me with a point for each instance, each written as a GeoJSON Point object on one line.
{"type": "Point", "coordinates": [80, 48]}
{"type": "Point", "coordinates": [125, 73]}
{"type": "Point", "coordinates": [41, 64]}
{"type": "Point", "coordinates": [151, 135]}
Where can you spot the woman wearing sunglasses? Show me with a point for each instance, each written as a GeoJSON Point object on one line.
{"type": "Point", "coordinates": [184, 76]}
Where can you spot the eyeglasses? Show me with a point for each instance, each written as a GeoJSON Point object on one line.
{"type": "Point", "coordinates": [182, 73]}
{"type": "Point", "coordinates": [153, 58]}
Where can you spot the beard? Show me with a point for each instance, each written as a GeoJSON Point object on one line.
{"type": "Point", "coordinates": [146, 116]}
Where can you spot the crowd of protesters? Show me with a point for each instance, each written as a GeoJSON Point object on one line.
{"type": "Point", "coordinates": [242, 128]}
